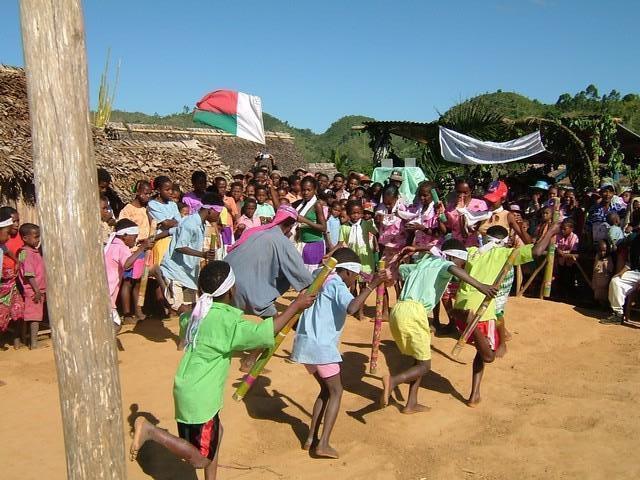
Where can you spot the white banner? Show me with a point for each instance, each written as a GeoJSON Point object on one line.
{"type": "Point", "coordinates": [459, 148]}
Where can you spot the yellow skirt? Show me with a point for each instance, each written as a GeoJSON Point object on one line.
{"type": "Point", "coordinates": [409, 326]}
{"type": "Point", "coordinates": [160, 249]}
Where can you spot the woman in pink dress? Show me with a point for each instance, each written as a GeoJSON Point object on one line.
{"type": "Point", "coordinates": [423, 217]}
{"type": "Point", "coordinates": [455, 220]}
{"type": "Point", "coordinates": [393, 237]}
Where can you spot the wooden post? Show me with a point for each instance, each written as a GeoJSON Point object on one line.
{"type": "Point", "coordinates": [545, 289]}
{"type": "Point", "coordinates": [377, 326]}
{"type": "Point", "coordinates": [67, 200]}
{"type": "Point", "coordinates": [531, 278]}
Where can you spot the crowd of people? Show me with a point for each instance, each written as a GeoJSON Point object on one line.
{"type": "Point", "coordinates": [233, 246]}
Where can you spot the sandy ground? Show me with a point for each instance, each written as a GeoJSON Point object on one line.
{"type": "Point", "coordinates": [561, 404]}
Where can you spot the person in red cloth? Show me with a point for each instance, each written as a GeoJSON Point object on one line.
{"type": "Point", "coordinates": [11, 302]}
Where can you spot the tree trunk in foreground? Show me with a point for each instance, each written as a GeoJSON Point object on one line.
{"type": "Point", "coordinates": [67, 194]}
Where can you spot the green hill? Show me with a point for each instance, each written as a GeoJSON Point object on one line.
{"type": "Point", "coordinates": [350, 149]}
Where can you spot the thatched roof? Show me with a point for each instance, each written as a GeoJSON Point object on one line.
{"type": "Point", "coordinates": [233, 151]}
{"type": "Point", "coordinates": [127, 151]}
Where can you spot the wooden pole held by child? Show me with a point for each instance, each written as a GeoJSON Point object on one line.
{"type": "Point", "coordinates": [377, 326]}
{"type": "Point", "coordinates": [257, 368]}
{"type": "Point", "coordinates": [471, 326]}
{"type": "Point", "coordinates": [545, 291]}
{"type": "Point", "coordinates": [148, 264]}
{"type": "Point", "coordinates": [68, 207]}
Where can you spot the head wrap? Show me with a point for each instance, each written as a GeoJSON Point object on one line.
{"type": "Point", "coordinates": [354, 267]}
{"type": "Point", "coordinates": [217, 208]}
{"type": "Point", "coordinates": [128, 231]}
{"type": "Point", "coordinates": [454, 252]}
{"type": "Point", "coordinates": [492, 242]}
{"type": "Point", "coordinates": [284, 212]}
{"type": "Point", "coordinates": [6, 223]}
{"type": "Point", "coordinates": [123, 231]}
{"type": "Point", "coordinates": [203, 305]}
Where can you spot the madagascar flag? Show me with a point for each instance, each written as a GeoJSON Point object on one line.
{"type": "Point", "coordinates": [234, 112]}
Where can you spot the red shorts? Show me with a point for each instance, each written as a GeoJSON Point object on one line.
{"type": "Point", "coordinates": [451, 291]}
{"type": "Point", "coordinates": [327, 370]}
{"type": "Point", "coordinates": [488, 329]}
{"type": "Point", "coordinates": [203, 436]}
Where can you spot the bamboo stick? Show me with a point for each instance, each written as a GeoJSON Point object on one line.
{"type": "Point", "coordinates": [436, 199]}
{"type": "Point", "coordinates": [584, 274]}
{"type": "Point", "coordinates": [148, 263]}
{"type": "Point", "coordinates": [266, 355]}
{"type": "Point", "coordinates": [532, 277]}
{"type": "Point", "coordinates": [518, 278]}
{"type": "Point", "coordinates": [545, 291]}
{"type": "Point", "coordinates": [377, 326]}
{"type": "Point", "coordinates": [471, 326]}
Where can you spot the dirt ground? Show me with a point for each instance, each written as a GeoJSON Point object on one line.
{"type": "Point", "coordinates": [562, 404]}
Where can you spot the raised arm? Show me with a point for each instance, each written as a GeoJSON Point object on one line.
{"type": "Point", "coordinates": [540, 248]}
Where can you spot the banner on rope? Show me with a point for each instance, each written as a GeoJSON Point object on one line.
{"type": "Point", "coordinates": [459, 148]}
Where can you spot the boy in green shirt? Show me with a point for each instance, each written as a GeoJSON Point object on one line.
{"type": "Point", "coordinates": [424, 284]}
{"type": "Point", "coordinates": [484, 264]}
{"type": "Point", "coordinates": [215, 330]}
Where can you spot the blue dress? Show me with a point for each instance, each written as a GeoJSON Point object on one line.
{"type": "Point", "coordinates": [320, 326]}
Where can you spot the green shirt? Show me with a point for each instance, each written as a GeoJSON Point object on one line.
{"type": "Point", "coordinates": [425, 281]}
{"type": "Point", "coordinates": [307, 233]}
{"type": "Point", "coordinates": [485, 267]}
{"type": "Point", "coordinates": [199, 382]}
{"type": "Point", "coordinates": [265, 210]}
{"type": "Point", "coordinates": [365, 252]}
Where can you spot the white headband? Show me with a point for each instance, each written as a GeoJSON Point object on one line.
{"type": "Point", "coordinates": [229, 282]}
{"type": "Point", "coordinates": [202, 307]}
{"type": "Point", "coordinates": [497, 241]}
{"type": "Point", "coordinates": [461, 254]}
{"type": "Point", "coordinates": [128, 231]}
{"type": "Point", "coordinates": [6, 223]}
{"type": "Point", "coordinates": [354, 267]}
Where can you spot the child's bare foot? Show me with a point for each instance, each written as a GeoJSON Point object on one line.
{"type": "Point", "coordinates": [307, 444]}
{"type": "Point", "coordinates": [360, 315]}
{"type": "Point", "coordinates": [326, 451]}
{"type": "Point", "coordinates": [473, 401]}
{"type": "Point", "coordinates": [386, 391]}
{"type": "Point", "coordinates": [140, 315]}
{"type": "Point", "coordinates": [129, 320]}
{"type": "Point", "coordinates": [417, 408]}
{"type": "Point", "coordinates": [501, 351]}
{"type": "Point", "coordinates": [507, 335]}
{"type": "Point", "coordinates": [140, 435]}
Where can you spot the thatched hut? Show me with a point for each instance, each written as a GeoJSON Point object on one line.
{"type": "Point", "coordinates": [233, 151]}
{"type": "Point", "coordinates": [129, 152]}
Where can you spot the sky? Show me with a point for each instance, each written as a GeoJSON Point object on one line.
{"type": "Point", "coordinates": [313, 62]}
